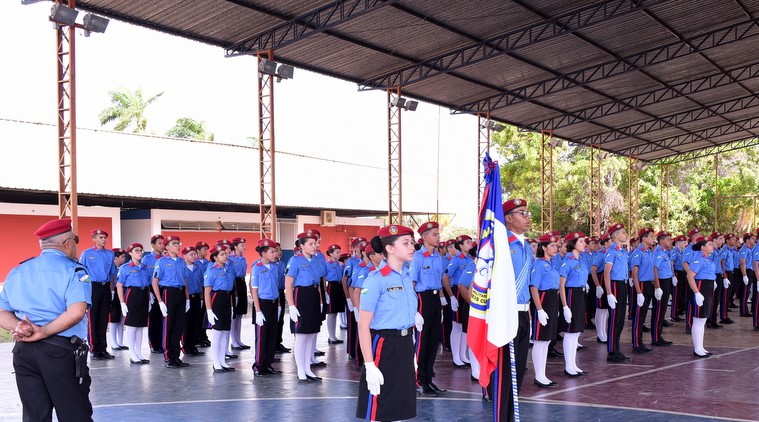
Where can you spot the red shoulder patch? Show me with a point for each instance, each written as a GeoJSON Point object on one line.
{"type": "Point", "coordinates": [260, 264]}
{"type": "Point", "coordinates": [461, 255]}
{"type": "Point", "coordinates": [385, 271]}
{"type": "Point", "coordinates": [426, 254]}
{"type": "Point", "coordinates": [372, 268]}
{"type": "Point", "coordinates": [512, 238]}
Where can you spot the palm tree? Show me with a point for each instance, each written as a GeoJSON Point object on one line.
{"type": "Point", "coordinates": [187, 128]}
{"type": "Point", "coordinates": [127, 109]}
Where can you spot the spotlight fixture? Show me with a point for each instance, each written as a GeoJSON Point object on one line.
{"type": "Point", "coordinates": [495, 127]}
{"type": "Point", "coordinates": [63, 15]}
{"type": "Point", "coordinates": [555, 142]}
{"type": "Point", "coordinates": [272, 68]}
{"type": "Point", "coordinates": [404, 103]}
{"type": "Point", "coordinates": [95, 23]}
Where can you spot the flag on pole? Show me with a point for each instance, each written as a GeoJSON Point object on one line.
{"type": "Point", "coordinates": [493, 317]}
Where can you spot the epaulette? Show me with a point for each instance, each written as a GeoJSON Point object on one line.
{"type": "Point", "coordinates": [27, 259]}
{"type": "Point", "coordinates": [385, 271]}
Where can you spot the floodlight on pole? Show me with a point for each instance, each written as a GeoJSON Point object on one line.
{"type": "Point", "coordinates": [94, 23]}
{"type": "Point", "coordinates": [555, 142]}
{"type": "Point", "coordinates": [640, 165]}
{"type": "Point", "coordinates": [495, 127]}
{"type": "Point", "coordinates": [272, 68]}
{"type": "Point", "coordinates": [63, 15]}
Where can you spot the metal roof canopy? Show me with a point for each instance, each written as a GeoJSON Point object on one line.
{"type": "Point", "coordinates": [659, 80]}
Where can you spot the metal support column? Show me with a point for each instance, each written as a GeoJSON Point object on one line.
{"type": "Point", "coordinates": [595, 191]}
{"type": "Point", "coordinates": [633, 197]}
{"type": "Point", "coordinates": [546, 181]}
{"type": "Point", "coordinates": [65, 60]}
{"type": "Point", "coordinates": [716, 189]}
{"type": "Point", "coordinates": [266, 150]}
{"type": "Point", "coordinates": [483, 146]}
{"type": "Point", "coordinates": [664, 197]}
{"type": "Point", "coordinates": [395, 179]}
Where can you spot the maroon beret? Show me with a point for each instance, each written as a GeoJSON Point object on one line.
{"type": "Point", "coordinates": [663, 233]}
{"type": "Point", "coordinates": [450, 242]}
{"type": "Point", "coordinates": [266, 243]}
{"type": "Point", "coordinates": [701, 239]}
{"type": "Point", "coordinates": [134, 245]}
{"type": "Point", "coordinates": [188, 249]}
{"type": "Point", "coordinates": [237, 240]}
{"type": "Point", "coordinates": [308, 234]}
{"type": "Point", "coordinates": [614, 228]}
{"type": "Point", "coordinates": [572, 236]}
{"type": "Point", "coordinates": [333, 246]}
{"type": "Point", "coordinates": [715, 235]}
{"type": "Point", "coordinates": [428, 226]}
{"type": "Point", "coordinates": [681, 238]}
{"type": "Point", "coordinates": [118, 251]}
{"type": "Point", "coordinates": [368, 249]}
{"type": "Point", "coordinates": [201, 244]}
{"type": "Point", "coordinates": [462, 238]}
{"type": "Point", "coordinates": [170, 239]}
{"type": "Point", "coordinates": [395, 230]}
{"type": "Point", "coordinates": [548, 238]}
{"type": "Point", "coordinates": [53, 228]}
{"type": "Point", "coordinates": [643, 232]}
{"type": "Point", "coordinates": [218, 248]}
{"type": "Point", "coordinates": [511, 204]}
{"type": "Point", "coordinates": [693, 232]}
{"type": "Point", "coordinates": [156, 237]}
{"type": "Point", "coordinates": [98, 232]}
{"type": "Point", "coordinates": [356, 241]}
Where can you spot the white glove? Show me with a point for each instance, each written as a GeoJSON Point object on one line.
{"type": "Point", "coordinates": [715, 285]}
{"type": "Point", "coordinates": [235, 301]}
{"type": "Point", "coordinates": [658, 293]}
{"type": "Point", "coordinates": [124, 308]}
{"type": "Point", "coordinates": [355, 315]}
{"type": "Point", "coordinates": [211, 317]}
{"type": "Point", "coordinates": [374, 378]}
{"type": "Point", "coordinates": [567, 314]}
{"type": "Point", "coordinates": [151, 299]}
{"type": "Point", "coordinates": [641, 299]}
{"type": "Point", "coordinates": [201, 303]}
{"type": "Point", "coordinates": [599, 292]}
{"type": "Point", "coordinates": [674, 281]}
{"type": "Point", "coordinates": [416, 366]}
{"type": "Point", "coordinates": [260, 318]}
{"type": "Point", "coordinates": [294, 314]}
{"type": "Point", "coordinates": [418, 321]}
{"type": "Point", "coordinates": [164, 309]}
{"type": "Point", "coordinates": [542, 317]}
{"type": "Point", "coordinates": [454, 304]}
{"type": "Point", "coordinates": [699, 299]}
{"type": "Point", "coordinates": [350, 304]}
{"type": "Point", "coordinates": [326, 299]}
{"type": "Point", "coordinates": [443, 302]}
{"type": "Point", "coordinates": [631, 282]}
{"type": "Point", "coordinates": [612, 301]}
{"type": "Point", "coordinates": [187, 305]}
{"type": "Point", "coordinates": [745, 280]}
{"type": "Point", "coordinates": [726, 283]}
{"type": "Point", "coordinates": [112, 295]}
{"type": "Point", "coordinates": [585, 288]}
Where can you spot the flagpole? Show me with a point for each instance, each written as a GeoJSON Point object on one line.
{"type": "Point", "coordinates": [514, 390]}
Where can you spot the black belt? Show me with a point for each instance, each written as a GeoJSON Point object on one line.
{"type": "Point", "coordinates": [273, 301]}
{"type": "Point", "coordinates": [172, 287]}
{"type": "Point", "coordinates": [224, 291]}
{"type": "Point", "coordinates": [619, 281]}
{"type": "Point", "coordinates": [75, 344]}
{"type": "Point", "coordinates": [434, 291]}
{"type": "Point", "coordinates": [139, 288]}
{"type": "Point", "coordinates": [194, 294]}
{"type": "Point", "coordinates": [315, 286]}
{"type": "Point", "coordinates": [393, 333]}
{"type": "Point", "coordinates": [100, 282]}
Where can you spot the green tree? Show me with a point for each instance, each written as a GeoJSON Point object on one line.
{"type": "Point", "coordinates": [187, 128]}
{"type": "Point", "coordinates": [127, 110]}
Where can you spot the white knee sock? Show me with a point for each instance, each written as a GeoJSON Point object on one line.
{"type": "Point", "coordinates": [539, 357]}
{"type": "Point", "coordinates": [568, 345]}
{"type": "Point", "coordinates": [112, 327]}
{"type": "Point", "coordinates": [312, 349]}
{"type": "Point", "coordinates": [602, 319]}
{"type": "Point", "coordinates": [137, 344]}
{"type": "Point", "coordinates": [697, 333]}
{"type": "Point", "coordinates": [475, 365]}
{"type": "Point", "coordinates": [120, 333]}
{"type": "Point", "coordinates": [234, 332]}
{"type": "Point", "coordinates": [343, 319]}
{"type": "Point", "coordinates": [462, 349]}
{"type": "Point", "coordinates": [302, 346]}
{"type": "Point", "coordinates": [331, 321]}
{"type": "Point", "coordinates": [217, 349]}
{"type": "Point", "coordinates": [456, 343]}
{"type": "Point", "coordinates": [129, 335]}
{"type": "Point", "coordinates": [224, 346]}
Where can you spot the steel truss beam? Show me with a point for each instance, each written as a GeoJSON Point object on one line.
{"type": "Point", "coordinates": [305, 25]}
{"type": "Point", "coordinates": [595, 191]}
{"type": "Point", "coordinates": [676, 141]}
{"type": "Point", "coordinates": [395, 178]}
{"type": "Point", "coordinates": [633, 196]}
{"type": "Point", "coordinates": [483, 147]}
{"type": "Point", "coordinates": [705, 152]}
{"type": "Point", "coordinates": [664, 197]}
{"type": "Point", "coordinates": [716, 38]}
{"type": "Point", "coordinates": [546, 182]}
{"type": "Point", "coordinates": [507, 42]}
{"type": "Point", "coordinates": [266, 151]}
{"type": "Point", "coordinates": [739, 104]}
{"type": "Point", "coordinates": [66, 60]}
{"type": "Point", "coordinates": [638, 101]}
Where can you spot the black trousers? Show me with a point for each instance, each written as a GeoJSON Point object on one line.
{"type": "Point", "coordinates": [202, 335]}
{"type": "Point", "coordinates": [98, 315]}
{"type": "Point", "coordinates": [680, 294]}
{"type": "Point", "coordinates": [155, 325]}
{"type": "Point", "coordinates": [193, 323]}
{"type": "Point", "coordinates": [501, 378]}
{"type": "Point", "coordinates": [428, 340]}
{"type": "Point", "coordinates": [45, 380]}
{"type": "Point", "coordinates": [266, 334]}
{"type": "Point", "coordinates": [747, 292]}
{"type": "Point", "coordinates": [617, 315]}
{"type": "Point", "coordinates": [659, 308]}
{"type": "Point", "coordinates": [173, 323]}
{"type": "Point", "coordinates": [445, 336]}
{"type": "Point", "coordinates": [590, 302]}
{"type": "Point", "coordinates": [281, 317]}
{"type": "Point", "coordinates": [640, 312]}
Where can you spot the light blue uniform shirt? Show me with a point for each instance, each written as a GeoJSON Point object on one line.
{"type": "Point", "coordinates": [574, 271]}
{"type": "Point", "coordinates": [467, 276]}
{"type": "Point", "coordinates": [543, 275]}
{"type": "Point", "coordinates": [642, 259]}
{"type": "Point", "coordinates": [715, 257]}
{"type": "Point", "coordinates": [170, 272]}
{"type": "Point", "coordinates": [334, 271]}
{"type": "Point", "coordinates": [521, 257]}
{"type": "Point", "coordinates": [44, 287]}
{"type": "Point", "coordinates": [731, 258]}
{"type": "Point", "coordinates": [349, 264]}
{"type": "Point", "coordinates": [676, 255]}
{"type": "Point", "coordinates": [556, 261]}
{"type": "Point", "coordinates": [194, 278]}
{"type": "Point", "coordinates": [427, 270]}
{"type": "Point", "coordinates": [703, 267]}
{"type": "Point", "coordinates": [617, 257]}
{"type": "Point", "coordinates": [301, 270]}
{"type": "Point", "coordinates": [319, 264]}
{"type": "Point", "coordinates": [389, 295]}
{"type": "Point", "coordinates": [131, 275]}
{"type": "Point", "coordinates": [663, 262]}
{"type": "Point", "coordinates": [239, 265]}
{"type": "Point", "coordinates": [745, 253]}
{"type": "Point", "coordinates": [218, 277]}
{"type": "Point", "coordinates": [264, 278]}
{"type": "Point", "coordinates": [281, 271]}
{"type": "Point", "coordinates": [688, 253]}
{"type": "Point", "coordinates": [149, 260]}
{"type": "Point", "coordinates": [99, 264]}
{"type": "Point", "coordinates": [598, 261]}
{"type": "Point", "coordinates": [360, 273]}
{"type": "Point", "coordinates": [456, 266]}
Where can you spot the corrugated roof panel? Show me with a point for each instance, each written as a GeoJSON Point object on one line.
{"type": "Point", "coordinates": [632, 34]}
{"type": "Point", "coordinates": [505, 71]}
{"type": "Point", "coordinates": [550, 54]}
{"type": "Point", "coordinates": [448, 88]}
{"type": "Point", "coordinates": [691, 17]}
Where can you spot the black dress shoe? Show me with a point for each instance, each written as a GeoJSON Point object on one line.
{"type": "Point", "coordinates": [455, 365]}
{"type": "Point", "coordinates": [244, 346]}
{"type": "Point", "coordinates": [309, 377]}
{"type": "Point", "coordinates": [273, 371]}
{"type": "Point", "coordinates": [204, 343]}
{"type": "Point", "coordinates": [598, 340]}
{"type": "Point", "coordinates": [120, 348]}
{"type": "Point", "coordinates": [553, 353]}
{"type": "Point", "coordinates": [305, 381]}
{"type": "Point", "coordinates": [701, 356]}
{"type": "Point", "coordinates": [487, 399]}
{"type": "Point", "coordinates": [583, 373]}
{"type": "Point", "coordinates": [622, 356]}
{"type": "Point", "coordinates": [661, 343]}
{"type": "Point", "coordinates": [615, 358]}
{"type": "Point", "coordinates": [181, 364]}
{"type": "Point", "coordinates": [231, 356]}
{"type": "Point", "coordinates": [338, 341]}
{"type": "Point", "coordinates": [642, 350]}
{"type": "Point", "coordinates": [549, 385]}
{"type": "Point", "coordinates": [436, 388]}
{"type": "Point", "coordinates": [237, 348]}
{"type": "Point", "coordinates": [428, 391]}
{"type": "Point", "coordinates": [581, 347]}
{"type": "Point", "coordinates": [156, 351]}
{"type": "Point", "coordinates": [218, 370]}
{"type": "Point", "coordinates": [260, 374]}
{"type": "Point", "coordinates": [572, 375]}
{"type": "Point", "coordinates": [194, 352]}
{"type": "Point", "coordinates": [139, 362]}
{"type": "Point", "coordinates": [171, 364]}
{"type": "Point", "coordinates": [320, 363]}
{"type": "Point", "coordinates": [666, 323]}
{"type": "Point", "coordinates": [473, 378]}
{"type": "Point", "coordinates": [319, 353]}
{"type": "Point", "coordinates": [97, 356]}
{"type": "Point", "coordinates": [646, 329]}
{"type": "Point", "coordinates": [282, 349]}
{"type": "Point", "coordinates": [727, 321]}
{"type": "Point", "coordinates": [107, 355]}
{"type": "Point", "coordinates": [228, 368]}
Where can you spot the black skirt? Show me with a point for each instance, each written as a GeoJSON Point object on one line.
{"type": "Point", "coordinates": [241, 289]}
{"type": "Point", "coordinates": [549, 301]}
{"type": "Point", "coordinates": [309, 306]}
{"type": "Point", "coordinates": [706, 287]}
{"type": "Point", "coordinates": [137, 300]}
{"type": "Point", "coordinates": [576, 303]}
{"type": "Point", "coordinates": [115, 315]}
{"type": "Point", "coordinates": [221, 306]}
{"type": "Point", "coordinates": [462, 315]}
{"type": "Point", "coordinates": [394, 356]}
{"type": "Point", "coordinates": [336, 297]}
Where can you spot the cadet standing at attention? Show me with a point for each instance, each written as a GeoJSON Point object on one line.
{"type": "Point", "coordinates": [98, 261]}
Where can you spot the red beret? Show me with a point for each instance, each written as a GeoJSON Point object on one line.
{"type": "Point", "coordinates": [98, 232]}
{"type": "Point", "coordinates": [237, 240]}
{"type": "Point", "coordinates": [593, 239]}
{"type": "Point", "coordinates": [572, 236]}
{"type": "Point", "coordinates": [201, 244]}
{"type": "Point", "coordinates": [462, 238]}
{"type": "Point", "coordinates": [308, 234]}
{"type": "Point", "coordinates": [156, 237]}
{"type": "Point", "coordinates": [218, 248]}
{"type": "Point", "coordinates": [345, 255]}
{"type": "Point", "coordinates": [188, 249]}
{"type": "Point", "coordinates": [643, 232]}
{"type": "Point", "coordinates": [511, 204]}
{"type": "Point", "coordinates": [450, 242]}
{"type": "Point", "coordinates": [356, 241]}
{"type": "Point", "coordinates": [729, 236]}
{"type": "Point", "coordinates": [134, 245]}
{"type": "Point", "coordinates": [333, 246]}
{"type": "Point", "coordinates": [368, 249]}
{"type": "Point", "coordinates": [428, 226]}
{"type": "Point", "coordinates": [222, 242]}
{"type": "Point", "coordinates": [681, 238]}
{"type": "Point", "coordinates": [53, 228]}
{"type": "Point", "coordinates": [701, 239]}
{"type": "Point", "coordinates": [693, 232]}
{"type": "Point", "coordinates": [548, 238]}
{"type": "Point", "coordinates": [316, 232]}
{"type": "Point", "coordinates": [747, 236]}
{"type": "Point", "coordinates": [118, 251]}
{"type": "Point", "coordinates": [633, 239]}
{"type": "Point", "coordinates": [715, 235]}
{"type": "Point", "coordinates": [441, 244]}
{"type": "Point", "coordinates": [170, 239]}
{"type": "Point", "coordinates": [277, 245]}
{"type": "Point", "coordinates": [266, 243]}
{"type": "Point", "coordinates": [614, 228]}
{"type": "Point", "coordinates": [663, 233]}
{"type": "Point", "coordinates": [420, 241]}
{"type": "Point", "coordinates": [395, 230]}
{"type": "Point", "coordinates": [604, 238]}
